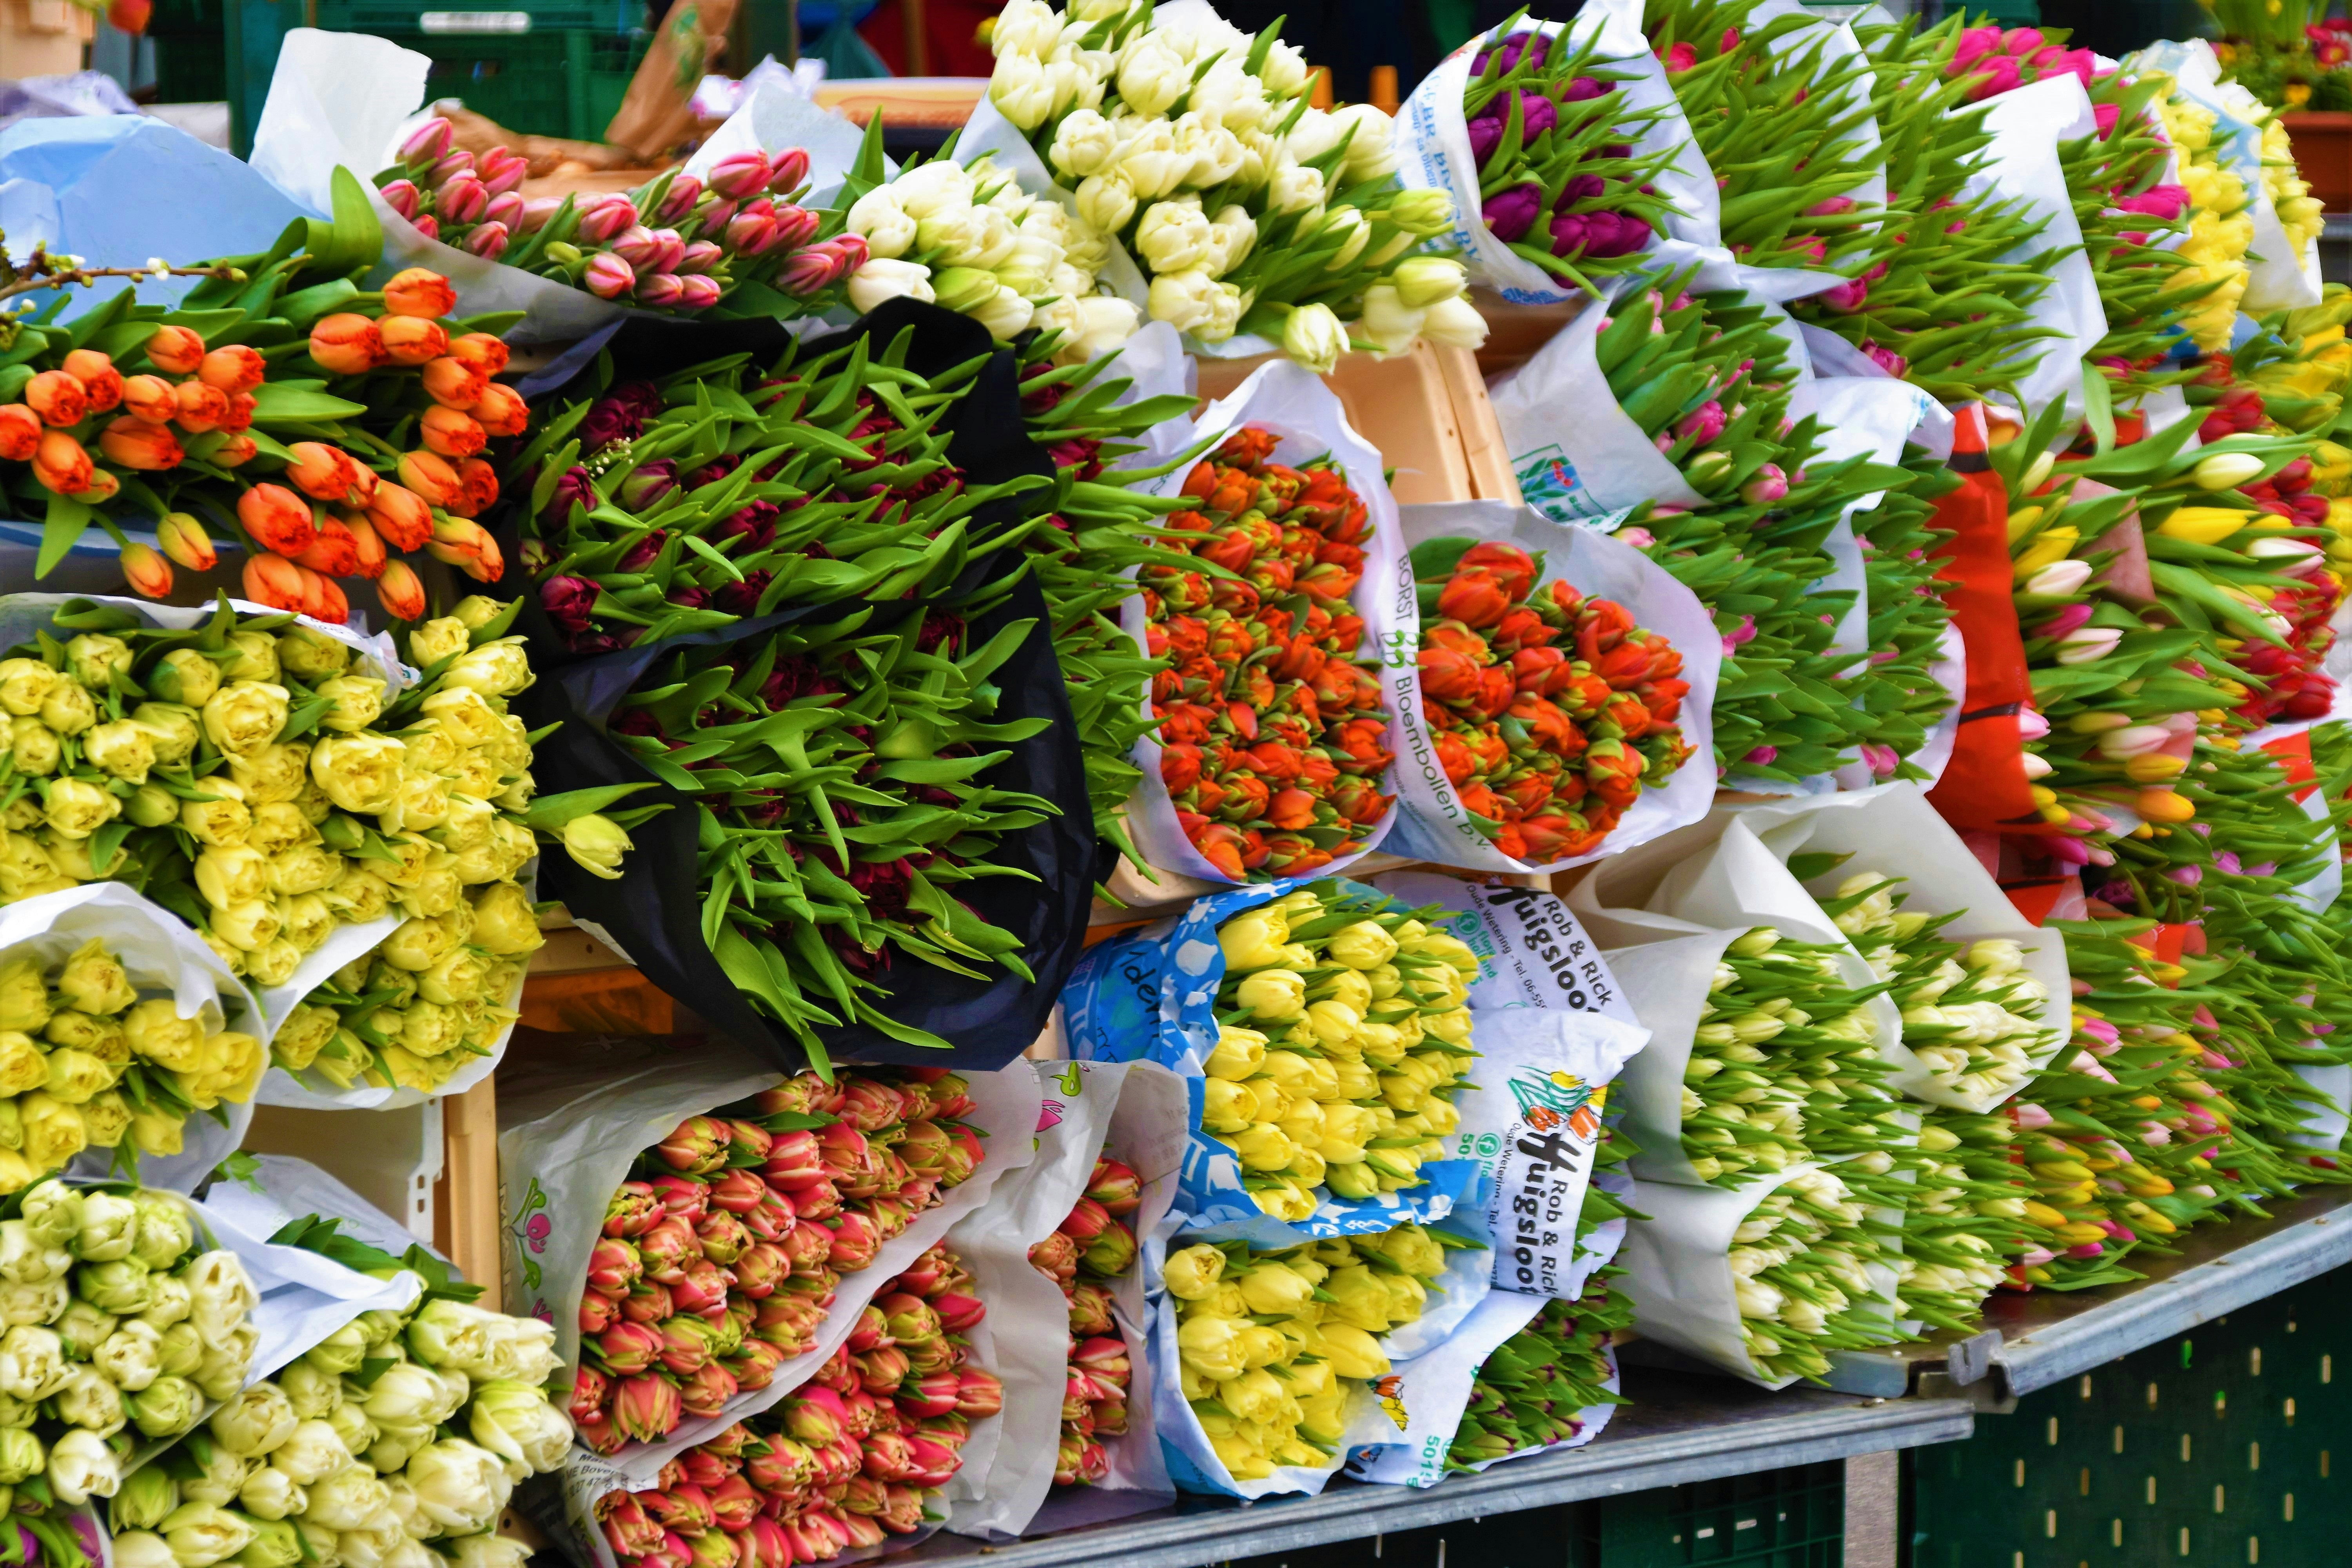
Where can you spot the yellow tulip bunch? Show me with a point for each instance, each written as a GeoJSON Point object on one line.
{"type": "Point", "coordinates": [1266, 1341]}
{"type": "Point", "coordinates": [1342, 1036]}
{"type": "Point", "coordinates": [429, 998]}
{"type": "Point", "coordinates": [2299, 211]}
{"type": "Point", "coordinates": [86, 1063]}
{"type": "Point", "coordinates": [2221, 225]}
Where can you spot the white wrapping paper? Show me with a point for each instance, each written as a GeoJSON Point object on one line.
{"type": "Point", "coordinates": [1135, 1112]}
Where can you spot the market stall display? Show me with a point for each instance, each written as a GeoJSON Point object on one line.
{"type": "Point", "coordinates": [1941, 425]}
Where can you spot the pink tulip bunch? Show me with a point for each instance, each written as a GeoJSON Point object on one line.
{"type": "Point", "coordinates": [1093, 1246]}
{"type": "Point", "coordinates": [848, 1460]}
{"type": "Point", "coordinates": [719, 1264]}
{"type": "Point", "coordinates": [1997, 61]}
{"type": "Point", "coordinates": [679, 242]}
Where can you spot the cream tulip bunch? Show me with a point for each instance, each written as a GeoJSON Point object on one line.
{"type": "Point", "coordinates": [1342, 1037]}
{"type": "Point", "coordinates": [120, 1330]}
{"type": "Point", "coordinates": [970, 239]}
{"type": "Point", "coordinates": [1268, 1342]}
{"type": "Point", "coordinates": [1784, 1066]}
{"type": "Point", "coordinates": [399, 1430]}
{"type": "Point", "coordinates": [1252, 212]}
{"type": "Point", "coordinates": [1960, 1232]}
{"type": "Point", "coordinates": [86, 1062]}
{"type": "Point", "coordinates": [431, 998]}
{"type": "Point", "coordinates": [1800, 1276]}
{"type": "Point", "coordinates": [1971, 1013]}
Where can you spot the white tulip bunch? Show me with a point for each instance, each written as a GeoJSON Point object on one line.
{"type": "Point", "coordinates": [118, 1330]}
{"type": "Point", "coordinates": [1194, 144]}
{"type": "Point", "coordinates": [1971, 1011]}
{"type": "Point", "coordinates": [971, 240]}
{"type": "Point", "coordinates": [1799, 1268]}
{"type": "Point", "coordinates": [345, 1460]}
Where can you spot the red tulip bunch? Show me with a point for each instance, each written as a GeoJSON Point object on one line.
{"type": "Point", "coordinates": [1086, 1251]}
{"type": "Point", "coordinates": [1271, 722]}
{"type": "Point", "coordinates": [1551, 712]}
{"type": "Point", "coordinates": [846, 1461]}
{"type": "Point", "coordinates": [719, 1264]}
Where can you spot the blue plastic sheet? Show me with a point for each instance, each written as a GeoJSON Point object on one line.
{"type": "Point", "coordinates": [119, 190]}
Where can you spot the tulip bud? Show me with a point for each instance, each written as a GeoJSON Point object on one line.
{"type": "Point", "coordinates": [419, 291]}
{"type": "Point", "coordinates": [346, 344]}
{"type": "Point", "coordinates": [60, 464]}
{"type": "Point", "coordinates": [20, 432]}
{"type": "Point", "coordinates": [234, 369]}
{"type": "Point", "coordinates": [147, 573]}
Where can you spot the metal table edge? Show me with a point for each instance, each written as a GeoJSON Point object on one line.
{"type": "Point", "coordinates": [2162, 1308]}
{"type": "Point", "coordinates": [1604, 1469]}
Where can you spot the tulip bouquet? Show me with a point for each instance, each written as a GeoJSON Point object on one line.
{"type": "Point", "coordinates": [252, 776]}
{"type": "Point", "coordinates": [400, 1427]}
{"type": "Point", "coordinates": [121, 1321]}
{"type": "Point", "coordinates": [2133, 220]}
{"type": "Point", "coordinates": [820, 480]}
{"type": "Point", "coordinates": [1800, 1263]}
{"type": "Point", "coordinates": [735, 235]}
{"type": "Point", "coordinates": [1106, 527]}
{"type": "Point", "coordinates": [1551, 744]}
{"type": "Point", "coordinates": [857, 1455]}
{"type": "Point", "coordinates": [1952, 314]}
{"type": "Point", "coordinates": [719, 1262]}
{"type": "Point", "coordinates": [1091, 1247]}
{"type": "Point", "coordinates": [1969, 1009]}
{"type": "Point", "coordinates": [2299, 212]}
{"type": "Point", "coordinates": [970, 239]}
{"type": "Point", "coordinates": [1271, 730]}
{"type": "Point", "coordinates": [1532, 1389]}
{"type": "Point", "coordinates": [184, 432]}
{"type": "Point", "coordinates": [1341, 1037]}
{"type": "Point", "coordinates": [1268, 1342]}
{"type": "Point", "coordinates": [1966, 1224]}
{"type": "Point", "coordinates": [1705, 377]}
{"type": "Point", "coordinates": [1746, 1109]}
{"type": "Point", "coordinates": [2220, 216]}
{"type": "Point", "coordinates": [86, 1064]}
{"type": "Point", "coordinates": [1782, 111]}
{"type": "Point", "coordinates": [1558, 179]}
{"type": "Point", "coordinates": [1909, 619]}
{"type": "Point", "coordinates": [1193, 145]}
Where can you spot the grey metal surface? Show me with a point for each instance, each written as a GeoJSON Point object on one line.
{"type": "Point", "coordinates": [1680, 1429]}
{"type": "Point", "coordinates": [2040, 1337]}
{"type": "Point", "coordinates": [2048, 1338]}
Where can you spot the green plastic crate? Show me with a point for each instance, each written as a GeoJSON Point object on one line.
{"type": "Point", "coordinates": [566, 82]}
{"type": "Point", "coordinates": [2207, 1451]}
{"type": "Point", "coordinates": [402, 17]}
{"type": "Point", "coordinates": [1565, 1535]}
{"type": "Point", "coordinates": [1778, 1519]}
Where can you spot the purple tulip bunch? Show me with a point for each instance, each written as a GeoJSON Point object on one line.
{"type": "Point", "coordinates": [1558, 179]}
{"type": "Point", "coordinates": [679, 242]}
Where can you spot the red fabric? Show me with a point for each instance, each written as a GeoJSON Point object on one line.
{"type": "Point", "coordinates": [2294, 752]}
{"type": "Point", "coordinates": [950, 27]}
{"type": "Point", "coordinates": [1984, 785]}
{"type": "Point", "coordinates": [2041, 900]}
{"type": "Point", "coordinates": [2167, 942]}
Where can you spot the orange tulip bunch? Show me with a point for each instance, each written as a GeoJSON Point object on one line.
{"type": "Point", "coordinates": [180, 428]}
{"type": "Point", "coordinates": [1272, 727]}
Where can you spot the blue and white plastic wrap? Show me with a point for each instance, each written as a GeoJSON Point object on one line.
{"type": "Point", "coordinates": [1105, 1017]}
{"type": "Point", "coordinates": [1455, 1296]}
